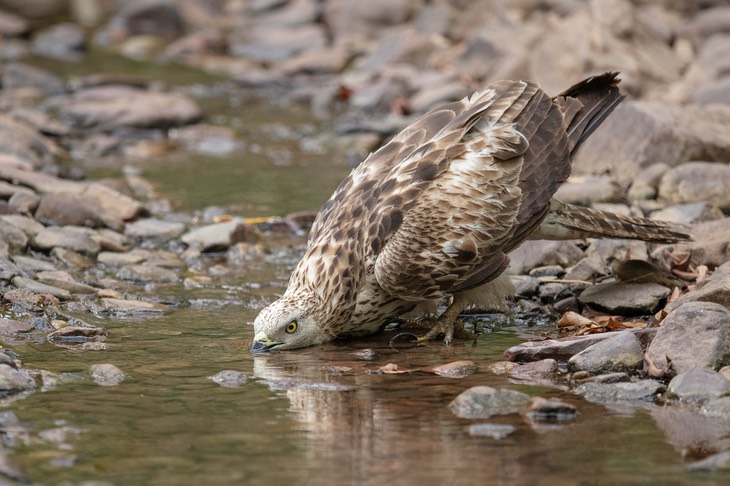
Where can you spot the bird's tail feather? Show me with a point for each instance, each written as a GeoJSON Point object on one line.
{"type": "Point", "coordinates": [566, 221]}
{"type": "Point", "coordinates": [587, 104]}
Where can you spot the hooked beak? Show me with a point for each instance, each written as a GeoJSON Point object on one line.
{"type": "Point", "coordinates": [261, 343]}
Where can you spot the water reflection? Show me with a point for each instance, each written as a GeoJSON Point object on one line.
{"type": "Point", "coordinates": [368, 428]}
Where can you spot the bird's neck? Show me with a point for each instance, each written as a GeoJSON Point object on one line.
{"type": "Point", "coordinates": [331, 277]}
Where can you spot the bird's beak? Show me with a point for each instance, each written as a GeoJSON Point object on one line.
{"type": "Point", "coordinates": [262, 343]}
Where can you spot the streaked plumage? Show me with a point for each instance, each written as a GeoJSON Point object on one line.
{"type": "Point", "coordinates": [434, 212]}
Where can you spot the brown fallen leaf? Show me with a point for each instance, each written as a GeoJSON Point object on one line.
{"type": "Point", "coordinates": [573, 319]}
{"type": "Point", "coordinates": [592, 329]}
{"type": "Point", "coordinates": [614, 324]}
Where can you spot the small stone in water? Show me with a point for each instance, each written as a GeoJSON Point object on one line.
{"type": "Point", "coordinates": [455, 369]}
{"type": "Point", "coordinates": [77, 334]}
{"type": "Point", "coordinates": [495, 431]}
{"type": "Point", "coordinates": [106, 374]}
{"type": "Point", "coordinates": [229, 378]}
{"type": "Point", "coordinates": [485, 401]}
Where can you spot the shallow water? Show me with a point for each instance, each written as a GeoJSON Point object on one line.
{"type": "Point", "coordinates": [301, 418]}
{"type": "Point", "coordinates": [315, 416]}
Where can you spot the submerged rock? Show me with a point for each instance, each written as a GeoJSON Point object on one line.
{"type": "Point", "coordinates": [455, 369]}
{"type": "Point", "coordinates": [77, 335]}
{"type": "Point", "coordinates": [485, 401]}
{"type": "Point", "coordinates": [495, 431]}
{"type": "Point", "coordinates": [229, 378]}
{"type": "Point", "coordinates": [106, 374]}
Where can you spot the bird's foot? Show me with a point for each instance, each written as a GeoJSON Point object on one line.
{"type": "Point", "coordinates": [449, 327]}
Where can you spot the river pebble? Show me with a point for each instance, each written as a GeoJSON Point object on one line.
{"type": "Point", "coordinates": [70, 237]}
{"type": "Point", "coordinates": [9, 327]}
{"type": "Point", "coordinates": [65, 41]}
{"type": "Point", "coordinates": [620, 352]}
{"type": "Point", "coordinates": [154, 228]}
{"type": "Point", "coordinates": [24, 300]}
{"type": "Point", "coordinates": [128, 307]}
{"type": "Point", "coordinates": [625, 298]}
{"type": "Point", "coordinates": [147, 273]}
{"type": "Point", "coordinates": [697, 181]}
{"type": "Point", "coordinates": [645, 390]}
{"type": "Point", "coordinates": [229, 378]}
{"type": "Point", "coordinates": [558, 349]}
{"type": "Point", "coordinates": [13, 380]}
{"type": "Point", "coordinates": [455, 369]}
{"type": "Point", "coordinates": [212, 237]}
{"type": "Point", "coordinates": [108, 107]}
{"type": "Point", "coordinates": [698, 385]}
{"type": "Point", "coordinates": [481, 402]}
{"type": "Point", "coordinates": [77, 335]}
{"type": "Point", "coordinates": [106, 374]}
{"type": "Point", "coordinates": [63, 209]}
{"type": "Point", "coordinates": [495, 431]}
{"type": "Point", "coordinates": [695, 335]}
{"type": "Point", "coordinates": [539, 373]}
{"type": "Point", "coordinates": [63, 280]}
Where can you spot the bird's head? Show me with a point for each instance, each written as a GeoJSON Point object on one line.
{"type": "Point", "coordinates": [289, 323]}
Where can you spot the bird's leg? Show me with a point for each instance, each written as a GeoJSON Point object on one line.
{"type": "Point", "coordinates": [446, 324]}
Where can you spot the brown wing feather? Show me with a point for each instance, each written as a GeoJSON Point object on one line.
{"type": "Point", "coordinates": [493, 189]}
{"type": "Point", "coordinates": [456, 226]}
{"type": "Point", "coordinates": [380, 163]}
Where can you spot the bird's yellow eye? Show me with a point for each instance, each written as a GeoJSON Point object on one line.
{"type": "Point", "coordinates": [292, 327]}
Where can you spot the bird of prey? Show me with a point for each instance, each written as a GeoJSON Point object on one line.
{"type": "Point", "coordinates": [431, 216]}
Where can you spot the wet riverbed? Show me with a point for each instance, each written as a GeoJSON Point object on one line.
{"type": "Point", "coordinates": [317, 416]}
